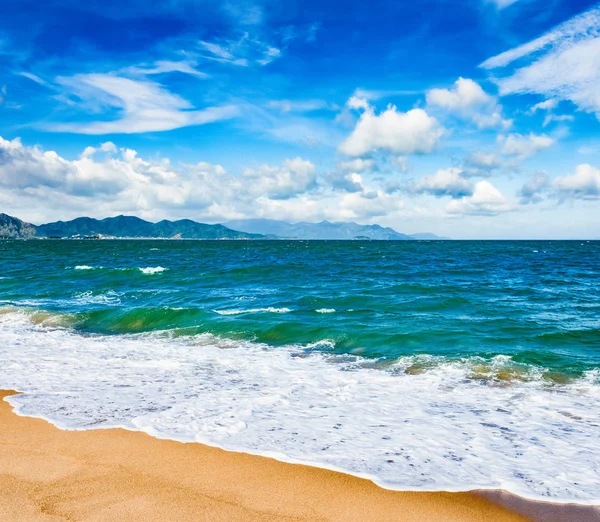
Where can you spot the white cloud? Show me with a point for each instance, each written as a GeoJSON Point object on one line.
{"type": "Point", "coordinates": [445, 182]}
{"type": "Point", "coordinates": [486, 200]}
{"type": "Point", "coordinates": [143, 106]}
{"type": "Point", "coordinates": [34, 78]}
{"type": "Point", "coordinates": [358, 164]}
{"type": "Point", "coordinates": [546, 105]}
{"type": "Point", "coordinates": [217, 50]}
{"type": "Point", "coordinates": [557, 117]}
{"type": "Point", "coordinates": [349, 182]}
{"type": "Point", "coordinates": [243, 52]}
{"type": "Point", "coordinates": [295, 177]}
{"type": "Point", "coordinates": [479, 162]}
{"type": "Point", "coordinates": [347, 175]}
{"type": "Point", "coordinates": [121, 181]}
{"type": "Point", "coordinates": [355, 102]}
{"type": "Point", "coordinates": [301, 105]}
{"type": "Point", "coordinates": [564, 63]}
{"type": "Point", "coordinates": [469, 101]}
{"type": "Point", "coordinates": [584, 183]}
{"type": "Point", "coordinates": [391, 131]}
{"type": "Point", "coordinates": [108, 146]}
{"type": "Point", "coordinates": [104, 180]}
{"type": "Point", "coordinates": [466, 94]}
{"type": "Point", "coordinates": [165, 66]}
{"type": "Point", "coordinates": [525, 146]}
{"type": "Point", "coordinates": [270, 54]}
{"type": "Point", "coordinates": [532, 190]}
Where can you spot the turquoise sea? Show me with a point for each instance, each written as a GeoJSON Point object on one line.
{"type": "Point", "coordinates": [423, 365]}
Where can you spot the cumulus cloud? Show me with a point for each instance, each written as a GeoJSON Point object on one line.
{"type": "Point", "coordinates": [111, 180]}
{"type": "Point", "coordinates": [445, 182]}
{"type": "Point", "coordinates": [105, 180]}
{"type": "Point", "coordinates": [358, 164]}
{"type": "Point", "coordinates": [486, 200]}
{"type": "Point", "coordinates": [349, 182]}
{"type": "Point", "coordinates": [466, 94]}
{"type": "Point", "coordinates": [564, 63]}
{"type": "Point", "coordinates": [392, 131]}
{"type": "Point", "coordinates": [283, 182]}
{"type": "Point", "coordinates": [525, 146]}
{"type": "Point", "coordinates": [480, 163]}
{"type": "Point", "coordinates": [584, 183]}
{"type": "Point", "coordinates": [532, 190]}
{"type": "Point", "coordinates": [468, 100]}
{"type": "Point", "coordinates": [142, 106]}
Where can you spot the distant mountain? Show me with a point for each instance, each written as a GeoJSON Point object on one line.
{"type": "Point", "coordinates": [322, 230]}
{"type": "Point", "coordinates": [427, 235]}
{"type": "Point", "coordinates": [134, 227]}
{"type": "Point", "coordinates": [131, 226]}
{"type": "Point", "coordinates": [12, 227]}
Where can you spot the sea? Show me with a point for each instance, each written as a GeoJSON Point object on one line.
{"type": "Point", "coordinates": [421, 365]}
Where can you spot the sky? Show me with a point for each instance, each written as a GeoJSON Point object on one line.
{"type": "Point", "coordinates": [474, 119]}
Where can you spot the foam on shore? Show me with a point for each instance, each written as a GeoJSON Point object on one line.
{"type": "Point", "coordinates": [420, 423]}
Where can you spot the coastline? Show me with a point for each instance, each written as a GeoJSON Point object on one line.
{"type": "Point", "coordinates": [50, 474]}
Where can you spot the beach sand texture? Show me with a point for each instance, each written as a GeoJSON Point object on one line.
{"type": "Point", "coordinates": [112, 474]}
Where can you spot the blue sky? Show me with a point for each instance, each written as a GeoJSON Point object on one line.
{"type": "Point", "coordinates": [467, 119]}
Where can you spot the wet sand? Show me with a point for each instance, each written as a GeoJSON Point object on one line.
{"type": "Point", "coordinates": [113, 474]}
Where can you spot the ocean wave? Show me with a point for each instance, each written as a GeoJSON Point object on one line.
{"type": "Point", "coordinates": [420, 422]}
{"type": "Point", "coordinates": [152, 270]}
{"type": "Point", "coordinates": [149, 270]}
{"type": "Point", "coordinates": [325, 310]}
{"type": "Point", "coordinates": [239, 311]}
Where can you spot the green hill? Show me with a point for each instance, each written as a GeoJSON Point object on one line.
{"type": "Point", "coordinates": [14, 228]}
{"type": "Point", "coordinates": [120, 227]}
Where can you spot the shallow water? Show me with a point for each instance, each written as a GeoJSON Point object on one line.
{"type": "Point", "coordinates": [422, 365]}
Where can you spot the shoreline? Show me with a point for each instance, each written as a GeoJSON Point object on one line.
{"type": "Point", "coordinates": [50, 474]}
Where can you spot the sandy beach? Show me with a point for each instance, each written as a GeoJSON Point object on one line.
{"type": "Point", "coordinates": [113, 474]}
{"type": "Point", "coordinates": [49, 474]}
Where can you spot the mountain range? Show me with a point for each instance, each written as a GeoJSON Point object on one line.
{"type": "Point", "coordinates": [322, 230]}
{"type": "Point", "coordinates": [134, 227]}
{"type": "Point", "coordinates": [119, 226]}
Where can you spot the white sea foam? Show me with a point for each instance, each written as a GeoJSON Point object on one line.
{"type": "Point", "coordinates": [238, 311]}
{"type": "Point", "coordinates": [423, 423]}
{"type": "Point", "coordinates": [325, 310]}
{"type": "Point", "coordinates": [110, 297]}
{"type": "Point", "coordinates": [86, 267]}
{"type": "Point", "coordinates": [153, 270]}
